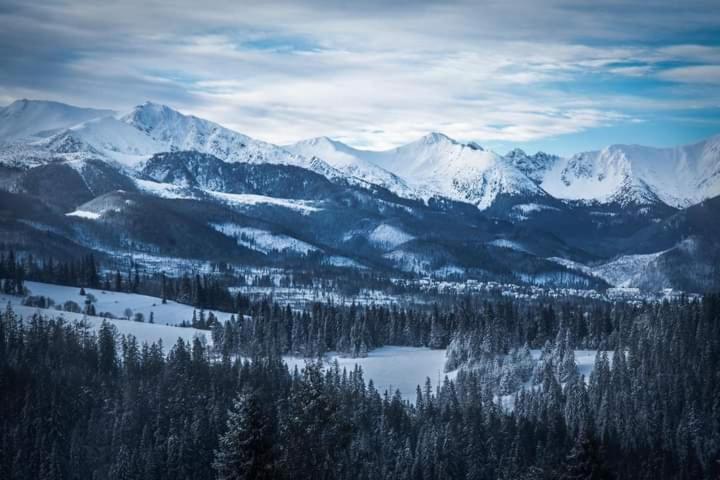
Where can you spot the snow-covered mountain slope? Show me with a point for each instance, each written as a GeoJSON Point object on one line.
{"type": "Point", "coordinates": [637, 175]}
{"type": "Point", "coordinates": [35, 132]}
{"type": "Point", "coordinates": [439, 165]}
{"type": "Point", "coordinates": [177, 132]}
{"type": "Point", "coordinates": [456, 170]}
{"type": "Point", "coordinates": [350, 161]}
{"type": "Point", "coordinates": [148, 129]}
{"type": "Point", "coordinates": [25, 119]}
{"type": "Point", "coordinates": [534, 166]}
{"type": "Point", "coordinates": [624, 271]}
{"type": "Point", "coordinates": [262, 240]}
{"type": "Point", "coordinates": [105, 137]}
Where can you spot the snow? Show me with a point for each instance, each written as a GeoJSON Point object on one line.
{"type": "Point", "coordinates": [625, 271]}
{"type": "Point", "coordinates": [393, 368]}
{"type": "Point", "coordinates": [389, 236]}
{"type": "Point", "coordinates": [263, 240]}
{"type": "Point", "coordinates": [678, 176]}
{"type": "Point", "coordinates": [409, 261]}
{"type": "Point", "coordinates": [505, 243]}
{"type": "Point", "coordinates": [455, 170]}
{"type": "Point", "coordinates": [628, 174]}
{"type": "Point", "coordinates": [438, 165]}
{"type": "Point", "coordinates": [33, 132]}
{"type": "Point", "coordinates": [175, 131]}
{"type": "Point", "coordinates": [571, 264]}
{"type": "Point", "coordinates": [24, 119]}
{"type": "Point", "coordinates": [115, 303]}
{"type": "Point", "coordinates": [526, 208]}
{"type": "Point", "coordinates": [163, 190]}
{"type": "Point", "coordinates": [132, 138]}
{"type": "Point", "coordinates": [584, 360]}
{"type": "Point", "coordinates": [144, 332]}
{"type": "Point", "coordinates": [340, 261]}
{"type": "Point", "coordinates": [84, 214]}
{"type": "Point", "coordinates": [104, 137]}
{"type": "Point", "coordinates": [246, 199]}
{"type": "Point", "coordinates": [351, 162]}
{"type": "Point", "coordinates": [448, 271]}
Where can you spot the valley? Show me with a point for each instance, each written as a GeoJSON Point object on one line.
{"type": "Point", "coordinates": [172, 192]}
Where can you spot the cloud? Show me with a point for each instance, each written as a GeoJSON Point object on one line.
{"type": "Point", "coordinates": [374, 74]}
{"type": "Point", "coordinates": [709, 74]}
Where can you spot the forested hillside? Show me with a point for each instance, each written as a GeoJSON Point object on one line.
{"type": "Point", "coordinates": [80, 404]}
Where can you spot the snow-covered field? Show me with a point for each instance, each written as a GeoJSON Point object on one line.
{"type": "Point", "coordinates": [144, 332]}
{"type": "Point", "coordinates": [394, 368]}
{"type": "Point", "coordinates": [115, 303]}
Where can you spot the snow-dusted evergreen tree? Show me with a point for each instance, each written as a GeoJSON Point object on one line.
{"type": "Point", "coordinates": [246, 449]}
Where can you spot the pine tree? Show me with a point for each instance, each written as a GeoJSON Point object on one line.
{"type": "Point", "coordinates": [246, 449]}
{"type": "Point", "coordinates": [583, 462]}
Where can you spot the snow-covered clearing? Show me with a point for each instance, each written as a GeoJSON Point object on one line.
{"type": "Point", "coordinates": [246, 199]}
{"type": "Point", "coordinates": [509, 244]}
{"type": "Point", "coordinates": [263, 240]}
{"type": "Point", "coordinates": [388, 236]}
{"type": "Point", "coordinates": [584, 359]}
{"type": "Point", "coordinates": [163, 190]}
{"type": "Point", "coordinates": [340, 261]}
{"type": "Point", "coordinates": [409, 261]}
{"type": "Point", "coordinates": [527, 208]}
{"type": "Point", "coordinates": [84, 214]}
{"type": "Point", "coordinates": [144, 332]}
{"type": "Point", "coordinates": [115, 303]}
{"type": "Point", "coordinates": [393, 368]}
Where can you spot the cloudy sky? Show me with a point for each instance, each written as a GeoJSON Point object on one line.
{"type": "Point", "coordinates": [561, 76]}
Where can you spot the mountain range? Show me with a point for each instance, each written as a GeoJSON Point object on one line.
{"type": "Point", "coordinates": [180, 188]}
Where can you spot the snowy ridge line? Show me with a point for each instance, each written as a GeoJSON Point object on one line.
{"type": "Point", "coordinates": [34, 132]}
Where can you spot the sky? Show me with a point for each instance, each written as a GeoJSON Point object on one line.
{"type": "Point", "coordinates": [558, 76]}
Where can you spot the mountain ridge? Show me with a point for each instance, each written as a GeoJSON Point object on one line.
{"type": "Point", "coordinates": [433, 166]}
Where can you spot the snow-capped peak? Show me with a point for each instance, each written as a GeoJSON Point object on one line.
{"type": "Point", "coordinates": [33, 119]}
{"type": "Point", "coordinates": [437, 137]}
{"type": "Point", "coordinates": [33, 132]}
{"type": "Point", "coordinates": [534, 166]}
{"type": "Point", "coordinates": [352, 162]}
{"type": "Point", "coordinates": [153, 128]}
{"type": "Point", "coordinates": [433, 165]}
{"type": "Point", "coordinates": [633, 174]}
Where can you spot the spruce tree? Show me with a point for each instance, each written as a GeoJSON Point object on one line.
{"type": "Point", "coordinates": [246, 448]}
